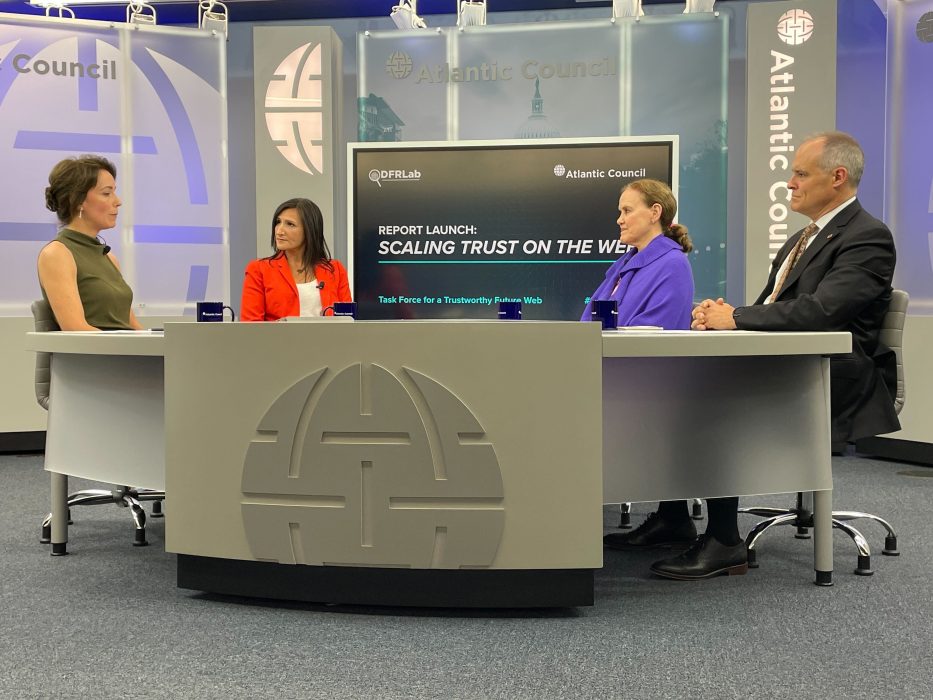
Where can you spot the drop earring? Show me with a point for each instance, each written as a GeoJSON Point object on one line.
{"type": "Point", "coordinates": [81, 213]}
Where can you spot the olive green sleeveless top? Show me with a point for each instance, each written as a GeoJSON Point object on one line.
{"type": "Point", "coordinates": [104, 293]}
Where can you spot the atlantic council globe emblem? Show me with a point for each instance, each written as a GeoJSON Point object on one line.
{"type": "Point", "coordinates": [295, 109]}
{"type": "Point", "coordinates": [795, 27]}
{"type": "Point", "coordinates": [559, 170]}
{"type": "Point", "coordinates": [925, 28]}
{"type": "Point", "coordinates": [399, 65]}
{"type": "Point", "coordinates": [372, 468]}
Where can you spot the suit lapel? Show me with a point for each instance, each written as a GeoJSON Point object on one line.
{"type": "Point", "coordinates": [281, 264]}
{"type": "Point", "coordinates": [836, 227]}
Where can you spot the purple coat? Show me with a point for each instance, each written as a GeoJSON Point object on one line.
{"type": "Point", "coordinates": [655, 286]}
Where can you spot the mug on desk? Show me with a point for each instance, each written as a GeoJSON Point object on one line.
{"type": "Point", "coordinates": [345, 308]}
{"type": "Point", "coordinates": [607, 312]}
{"type": "Point", "coordinates": [510, 311]}
{"type": "Point", "coordinates": [212, 312]}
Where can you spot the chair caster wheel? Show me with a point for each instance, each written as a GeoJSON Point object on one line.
{"type": "Point", "coordinates": [157, 509]}
{"type": "Point", "coordinates": [864, 567]}
{"type": "Point", "coordinates": [697, 512]}
{"type": "Point", "coordinates": [59, 549]}
{"type": "Point", "coordinates": [890, 547]}
{"type": "Point", "coordinates": [752, 559]}
{"type": "Point", "coordinates": [46, 536]}
{"type": "Point", "coordinates": [803, 533]}
{"type": "Point", "coordinates": [625, 521]}
{"type": "Point", "coordinates": [140, 539]}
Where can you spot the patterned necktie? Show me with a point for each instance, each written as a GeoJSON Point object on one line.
{"type": "Point", "coordinates": [795, 256]}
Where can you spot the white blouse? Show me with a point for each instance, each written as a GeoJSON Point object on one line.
{"type": "Point", "coordinates": [309, 299]}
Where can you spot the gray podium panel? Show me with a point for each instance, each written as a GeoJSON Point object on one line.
{"type": "Point", "coordinates": [387, 445]}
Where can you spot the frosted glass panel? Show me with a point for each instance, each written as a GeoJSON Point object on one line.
{"type": "Point", "coordinates": [153, 101]}
{"type": "Point", "coordinates": [909, 182]}
{"type": "Point", "coordinates": [660, 75]}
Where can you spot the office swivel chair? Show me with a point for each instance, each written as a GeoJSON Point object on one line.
{"type": "Point", "coordinates": [801, 516]}
{"type": "Point", "coordinates": [120, 495]}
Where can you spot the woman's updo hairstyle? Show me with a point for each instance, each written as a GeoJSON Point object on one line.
{"type": "Point", "coordinates": [70, 181]}
{"type": "Point", "coordinates": [657, 192]}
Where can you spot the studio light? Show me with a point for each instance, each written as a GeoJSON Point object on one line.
{"type": "Point", "coordinates": [627, 8]}
{"type": "Point", "coordinates": [213, 15]}
{"type": "Point", "coordinates": [699, 6]}
{"type": "Point", "coordinates": [54, 8]}
{"type": "Point", "coordinates": [405, 15]}
{"type": "Point", "coordinates": [140, 13]}
{"type": "Point", "coordinates": [472, 13]}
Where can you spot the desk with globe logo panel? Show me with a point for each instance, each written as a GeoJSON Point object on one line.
{"type": "Point", "coordinates": [398, 462]}
{"type": "Point", "coordinates": [432, 463]}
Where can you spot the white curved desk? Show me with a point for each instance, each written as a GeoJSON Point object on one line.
{"type": "Point", "coordinates": [106, 413]}
{"type": "Point", "coordinates": [575, 419]}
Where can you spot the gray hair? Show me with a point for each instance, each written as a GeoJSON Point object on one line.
{"type": "Point", "coordinates": [840, 150]}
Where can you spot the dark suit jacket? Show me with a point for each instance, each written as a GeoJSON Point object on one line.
{"type": "Point", "coordinates": [842, 283]}
{"type": "Point", "coordinates": [269, 291]}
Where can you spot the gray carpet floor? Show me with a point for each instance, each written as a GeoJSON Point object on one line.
{"type": "Point", "coordinates": [108, 622]}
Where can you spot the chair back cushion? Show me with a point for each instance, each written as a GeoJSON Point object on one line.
{"type": "Point", "coordinates": [44, 321]}
{"type": "Point", "coordinates": [892, 335]}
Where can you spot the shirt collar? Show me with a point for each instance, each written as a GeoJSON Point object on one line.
{"type": "Point", "coordinates": [824, 220]}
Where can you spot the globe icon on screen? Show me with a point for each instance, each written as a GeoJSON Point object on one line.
{"type": "Point", "coordinates": [559, 170]}
{"type": "Point", "coordinates": [795, 27]}
{"type": "Point", "coordinates": [399, 65]}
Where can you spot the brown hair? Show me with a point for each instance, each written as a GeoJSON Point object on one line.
{"type": "Point", "coordinates": [657, 192]}
{"type": "Point", "coordinates": [71, 180]}
{"type": "Point", "coordinates": [312, 223]}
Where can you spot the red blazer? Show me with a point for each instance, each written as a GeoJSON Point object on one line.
{"type": "Point", "coordinates": [269, 291]}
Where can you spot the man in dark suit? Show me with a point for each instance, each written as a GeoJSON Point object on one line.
{"type": "Point", "coordinates": [834, 275]}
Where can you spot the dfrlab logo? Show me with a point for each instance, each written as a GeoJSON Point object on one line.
{"type": "Point", "coordinates": [372, 468]}
{"type": "Point", "coordinates": [380, 176]}
{"type": "Point", "coordinates": [295, 109]}
{"type": "Point", "coordinates": [925, 28]}
{"type": "Point", "coordinates": [399, 65]}
{"type": "Point", "coordinates": [795, 27]}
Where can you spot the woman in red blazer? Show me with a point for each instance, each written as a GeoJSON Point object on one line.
{"type": "Point", "coordinates": [299, 278]}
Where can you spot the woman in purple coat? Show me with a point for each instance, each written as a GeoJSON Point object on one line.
{"type": "Point", "coordinates": [652, 282]}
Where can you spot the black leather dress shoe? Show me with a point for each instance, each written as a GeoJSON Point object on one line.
{"type": "Point", "coordinates": [654, 532]}
{"type": "Point", "coordinates": [707, 557]}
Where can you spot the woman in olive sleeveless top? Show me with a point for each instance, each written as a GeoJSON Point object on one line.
{"type": "Point", "coordinates": [79, 276]}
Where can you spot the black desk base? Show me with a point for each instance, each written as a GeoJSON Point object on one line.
{"type": "Point", "coordinates": [440, 588]}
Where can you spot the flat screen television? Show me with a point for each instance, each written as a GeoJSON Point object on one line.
{"type": "Point", "coordinates": [450, 229]}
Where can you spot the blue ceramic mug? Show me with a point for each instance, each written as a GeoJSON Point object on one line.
{"type": "Point", "coordinates": [212, 312]}
{"type": "Point", "coordinates": [510, 311]}
{"type": "Point", "coordinates": [345, 308]}
{"type": "Point", "coordinates": [607, 312]}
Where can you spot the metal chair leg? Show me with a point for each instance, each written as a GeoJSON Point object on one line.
{"type": "Point", "coordinates": [864, 552]}
{"type": "Point", "coordinates": [697, 511]}
{"type": "Point", "coordinates": [890, 539]}
{"type": "Point", "coordinates": [625, 518]}
{"type": "Point", "coordinates": [752, 538]}
{"type": "Point", "coordinates": [139, 519]}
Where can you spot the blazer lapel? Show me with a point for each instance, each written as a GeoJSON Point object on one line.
{"type": "Point", "coordinates": [281, 264]}
{"type": "Point", "coordinates": [836, 227]}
